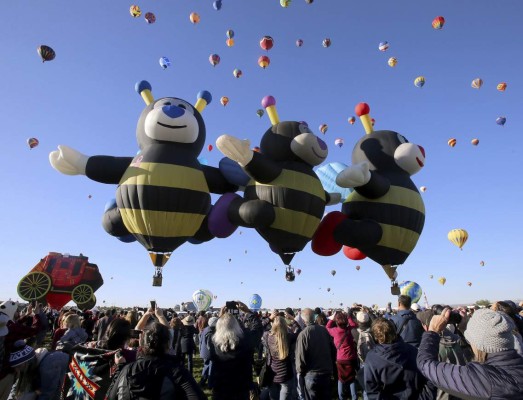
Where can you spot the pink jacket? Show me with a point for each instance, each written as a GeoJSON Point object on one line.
{"type": "Point", "coordinates": [347, 350]}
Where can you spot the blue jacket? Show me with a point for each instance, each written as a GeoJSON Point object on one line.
{"type": "Point", "coordinates": [390, 372]}
{"type": "Point", "coordinates": [500, 377]}
{"type": "Point", "coordinates": [205, 336]}
{"type": "Point", "coordinates": [412, 331]}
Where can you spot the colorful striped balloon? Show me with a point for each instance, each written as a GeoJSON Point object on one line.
{"type": "Point", "coordinates": [477, 83]}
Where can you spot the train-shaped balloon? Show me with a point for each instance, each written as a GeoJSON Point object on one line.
{"type": "Point", "coordinates": [59, 278]}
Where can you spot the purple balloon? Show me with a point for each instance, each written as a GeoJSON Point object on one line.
{"type": "Point", "coordinates": [219, 224]}
{"type": "Point", "coordinates": [268, 101]}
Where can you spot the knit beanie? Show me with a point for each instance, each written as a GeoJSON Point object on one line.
{"type": "Point", "coordinates": [22, 353]}
{"type": "Point", "coordinates": [490, 331]}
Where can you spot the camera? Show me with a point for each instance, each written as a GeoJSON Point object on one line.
{"type": "Point", "coordinates": [153, 305]}
{"type": "Point", "coordinates": [232, 307]}
{"type": "Point", "coordinates": [135, 333]}
{"type": "Point", "coordinates": [454, 317]}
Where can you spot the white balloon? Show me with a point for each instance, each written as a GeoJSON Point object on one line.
{"type": "Point", "coordinates": [201, 299]}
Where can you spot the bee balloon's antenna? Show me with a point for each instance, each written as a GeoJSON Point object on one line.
{"type": "Point", "coordinates": [143, 88]}
{"type": "Point", "coordinates": [204, 98]}
{"type": "Point", "coordinates": [269, 103]}
{"type": "Point", "coordinates": [362, 110]}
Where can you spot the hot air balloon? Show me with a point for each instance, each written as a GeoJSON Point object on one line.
{"type": "Point", "coordinates": [309, 1]}
{"type": "Point", "coordinates": [469, 283]}
{"type": "Point", "coordinates": [255, 302]}
{"type": "Point", "coordinates": [475, 142]}
{"type": "Point", "coordinates": [458, 237]}
{"type": "Point", "coordinates": [482, 263]}
{"type": "Point", "coordinates": [237, 73]}
{"type": "Point", "coordinates": [327, 174]}
{"type": "Point", "coordinates": [392, 61]}
{"type": "Point", "coordinates": [135, 11]}
{"type": "Point", "coordinates": [285, 3]}
{"type": "Point", "coordinates": [357, 267]}
{"type": "Point", "coordinates": [165, 62]}
{"type": "Point", "coordinates": [353, 253]}
{"type": "Point", "coordinates": [423, 188]}
{"type": "Point", "coordinates": [431, 276]}
{"type": "Point", "coordinates": [442, 280]}
{"type": "Point", "coordinates": [411, 289]}
{"type": "Point", "coordinates": [502, 86]}
{"type": "Point", "coordinates": [150, 18]}
{"type": "Point", "coordinates": [477, 83]}
{"type": "Point", "coordinates": [256, 149]}
{"type": "Point", "coordinates": [452, 142]}
{"type": "Point", "coordinates": [383, 46]}
{"type": "Point", "coordinates": [260, 112]}
{"type": "Point", "coordinates": [229, 33]}
{"type": "Point", "coordinates": [264, 61]}
{"type": "Point", "coordinates": [214, 59]}
{"type": "Point", "coordinates": [352, 120]}
{"type": "Point", "coordinates": [326, 42]}
{"type": "Point", "coordinates": [333, 272]}
{"type": "Point", "coordinates": [32, 142]}
{"type": "Point", "coordinates": [419, 81]}
{"type": "Point", "coordinates": [46, 53]}
{"type": "Point", "coordinates": [209, 147]}
{"type": "Point", "coordinates": [201, 300]}
{"type": "Point", "coordinates": [438, 22]}
{"type": "Point", "coordinates": [266, 43]}
{"type": "Point", "coordinates": [194, 18]}
{"type": "Point", "coordinates": [229, 42]}
{"type": "Point", "coordinates": [224, 100]}
{"type": "Point", "coordinates": [298, 271]}
{"type": "Point", "coordinates": [299, 43]}
{"type": "Point", "coordinates": [217, 5]}
{"type": "Point", "coordinates": [328, 289]}
{"type": "Point", "coordinates": [339, 142]}
{"type": "Point", "coordinates": [89, 198]}
{"type": "Point", "coordinates": [323, 128]}
{"type": "Point", "coordinates": [501, 120]}
{"type": "Point", "coordinates": [372, 121]}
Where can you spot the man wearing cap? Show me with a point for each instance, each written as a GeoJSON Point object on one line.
{"type": "Point", "coordinates": [187, 340]}
{"type": "Point", "coordinates": [407, 325]}
{"type": "Point", "coordinates": [497, 372]}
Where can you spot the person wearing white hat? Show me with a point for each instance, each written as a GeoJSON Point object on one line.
{"type": "Point", "coordinates": [496, 373]}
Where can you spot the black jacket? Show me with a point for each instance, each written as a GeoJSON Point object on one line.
{"type": "Point", "coordinates": [155, 378]}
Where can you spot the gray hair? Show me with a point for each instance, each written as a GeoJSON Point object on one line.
{"type": "Point", "coordinates": [308, 316]}
{"type": "Point", "coordinates": [228, 333]}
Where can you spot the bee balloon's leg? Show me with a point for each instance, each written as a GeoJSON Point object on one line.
{"type": "Point", "coordinates": [362, 233]}
{"type": "Point", "coordinates": [251, 213]}
{"type": "Point", "coordinates": [112, 221]}
{"type": "Point", "coordinates": [204, 234]}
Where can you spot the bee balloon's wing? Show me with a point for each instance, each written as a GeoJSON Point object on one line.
{"type": "Point", "coordinates": [327, 175]}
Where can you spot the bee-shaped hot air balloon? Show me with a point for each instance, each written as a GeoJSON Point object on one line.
{"type": "Point", "coordinates": [384, 216]}
{"type": "Point", "coordinates": [284, 200]}
{"type": "Point", "coordinates": [163, 194]}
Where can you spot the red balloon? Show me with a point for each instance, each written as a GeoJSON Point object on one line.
{"type": "Point", "coordinates": [266, 43]}
{"type": "Point", "coordinates": [353, 253]}
{"type": "Point", "coordinates": [323, 242]}
{"type": "Point", "coordinates": [209, 147]}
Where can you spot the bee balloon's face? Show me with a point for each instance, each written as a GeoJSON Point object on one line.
{"type": "Point", "coordinates": [290, 140]}
{"type": "Point", "coordinates": [409, 156]}
{"type": "Point", "coordinates": [172, 120]}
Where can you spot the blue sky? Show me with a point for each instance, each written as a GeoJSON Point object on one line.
{"type": "Point", "coordinates": [85, 99]}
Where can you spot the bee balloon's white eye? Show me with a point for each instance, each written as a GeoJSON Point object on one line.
{"type": "Point", "coordinates": [402, 139]}
{"type": "Point", "coordinates": [304, 129]}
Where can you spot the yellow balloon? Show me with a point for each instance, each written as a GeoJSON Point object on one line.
{"type": "Point", "coordinates": [442, 280]}
{"type": "Point", "coordinates": [458, 237]}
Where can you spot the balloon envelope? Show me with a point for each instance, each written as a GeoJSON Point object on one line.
{"type": "Point", "coordinates": [419, 81]}
{"type": "Point", "coordinates": [477, 83]}
{"type": "Point", "coordinates": [150, 18]}
{"type": "Point", "coordinates": [164, 62]}
{"type": "Point", "coordinates": [266, 43]}
{"type": "Point", "coordinates": [392, 61]}
{"type": "Point", "coordinates": [327, 175]}
{"type": "Point", "coordinates": [458, 237]}
{"type": "Point", "coordinates": [217, 5]}
{"type": "Point", "coordinates": [501, 121]}
{"type": "Point", "coordinates": [214, 59]}
{"type": "Point", "coordinates": [383, 46]}
{"type": "Point", "coordinates": [411, 289]}
{"type": "Point", "coordinates": [442, 280]}
{"type": "Point", "coordinates": [46, 53]}
{"type": "Point", "coordinates": [438, 22]}
{"type": "Point", "coordinates": [255, 302]}
{"type": "Point", "coordinates": [32, 142]}
{"type": "Point", "coordinates": [135, 11]}
{"type": "Point", "coordinates": [201, 299]}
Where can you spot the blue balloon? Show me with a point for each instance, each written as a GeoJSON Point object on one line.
{"type": "Point", "coordinates": [203, 161]}
{"type": "Point", "coordinates": [217, 5]}
{"type": "Point", "coordinates": [327, 175]}
{"type": "Point", "coordinates": [411, 289]}
{"type": "Point", "coordinates": [256, 302]}
{"type": "Point", "coordinates": [501, 121]}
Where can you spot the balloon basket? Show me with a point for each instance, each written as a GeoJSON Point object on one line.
{"type": "Point", "coordinates": [157, 277]}
{"type": "Point", "coordinates": [289, 274]}
{"type": "Point", "coordinates": [395, 289]}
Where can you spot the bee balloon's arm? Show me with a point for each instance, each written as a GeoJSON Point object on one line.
{"type": "Point", "coordinates": [263, 169]}
{"type": "Point", "coordinates": [107, 169]}
{"type": "Point", "coordinates": [364, 181]}
{"type": "Point", "coordinates": [216, 181]}
{"type": "Point", "coordinates": [377, 186]}
{"type": "Point", "coordinates": [332, 198]}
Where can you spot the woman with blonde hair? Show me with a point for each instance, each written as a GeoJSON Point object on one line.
{"type": "Point", "coordinates": [278, 345]}
{"type": "Point", "coordinates": [74, 334]}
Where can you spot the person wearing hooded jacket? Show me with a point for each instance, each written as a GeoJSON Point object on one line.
{"type": "Point", "coordinates": [390, 367]}
{"type": "Point", "coordinates": [496, 373]}
{"type": "Point", "coordinates": [155, 375]}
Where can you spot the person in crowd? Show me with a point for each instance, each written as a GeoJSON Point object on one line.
{"type": "Point", "coordinates": [88, 324]}
{"type": "Point", "coordinates": [497, 369]}
{"type": "Point", "coordinates": [39, 374]}
{"type": "Point", "coordinates": [117, 337]}
{"type": "Point", "coordinates": [104, 322]}
{"type": "Point", "coordinates": [74, 334]}
{"type": "Point", "coordinates": [315, 358]}
{"type": "Point", "coordinates": [176, 332]}
{"type": "Point", "coordinates": [60, 331]}
{"type": "Point", "coordinates": [42, 323]}
{"type": "Point", "coordinates": [364, 343]}
{"type": "Point", "coordinates": [319, 317]}
{"type": "Point", "coordinates": [390, 367]}
{"type": "Point", "coordinates": [132, 317]}
{"type": "Point", "coordinates": [407, 325]}
{"type": "Point", "coordinates": [205, 354]}
{"type": "Point", "coordinates": [346, 355]}
{"type": "Point", "coordinates": [292, 325]}
{"type": "Point", "coordinates": [202, 322]}
{"type": "Point", "coordinates": [187, 345]}
{"type": "Point", "coordinates": [508, 308]}
{"type": "Point", "coordinates": [278, 345]}
{"type": "Point", "coordinates": [155, 375]}
{"type": "Point", "coordinates": [232, 347]}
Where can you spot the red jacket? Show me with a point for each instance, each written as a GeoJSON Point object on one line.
{"type": "Point", "coordinates": [17, 331]}
{"type": "Point", "coordinates": [347, 349]}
